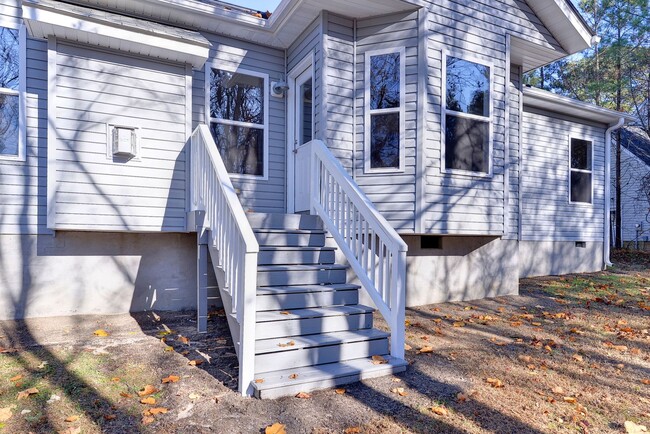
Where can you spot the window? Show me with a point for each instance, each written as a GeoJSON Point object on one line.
{"type": "Point", "coordinates": [384, 150]}
{"type": "Point", "coordinates": [580, 171]}
{"type": "Point", "coordinates": [467, 116]}
{"type": "Point", "coordinates": [238, 119]}
{"type": "Point", "coordinates": [10, 146]}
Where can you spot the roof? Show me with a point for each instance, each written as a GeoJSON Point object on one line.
{"type": "Point", "coordinates": [637, 141]}
{"type": "Point", "coordinates": [534, 97]}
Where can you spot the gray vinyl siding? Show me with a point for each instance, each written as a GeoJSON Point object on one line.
{"type": "Point", "coordinates": [547, 214]}
{"type": "Point", "coordinates": [392, 193]}
{"type": "Point", "coordinates": [514, 130]}
{"type": "Point", "coordinates": [310, 43]}
{"type": "Point", "coordinates": [634, 202]}
{"type": "Point", "coordinates": [257, 195]}
{"type": "Point", "coordinates": [94, 192]}
{"type": "Point", "coordinates": [23, 193]}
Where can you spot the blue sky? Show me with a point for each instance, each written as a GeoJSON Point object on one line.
{"type": "Point", "coordinates": [259, 5]}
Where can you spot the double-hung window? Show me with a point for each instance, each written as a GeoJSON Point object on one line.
{"type": "Point", "coordinates": [238, 120]}
{"type": "Point", "coordinates": [10, 146]}
{"type": "Point", "coordinates": [581, 171]}
{"type": "Point", "coordinates": [384, 114]}
{"type": "Point", "coordinates": [467, 116]}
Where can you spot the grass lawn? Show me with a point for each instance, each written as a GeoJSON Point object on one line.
{"type": "Point", "coordinates": [571, 354]}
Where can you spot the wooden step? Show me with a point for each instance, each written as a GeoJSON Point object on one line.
{"type": "Point", "coordinates": [318, 349]}
{"type": "Point", "coordinates": [290, 238]}
{"type": "Point", "coordinates": [276, 275]}
{"type": "Point", "coordinates": [274, 255]}
{"type": "Point", "coordinates": [284, 221]}
{"type": "Point", "coordinates": [306, 296]}
{"type": "Point", "coordinates": [301, 322]}
{"type": "Point", "coordinates": [289, 382]}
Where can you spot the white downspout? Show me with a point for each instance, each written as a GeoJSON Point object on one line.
{"type": "Point", "coordinates": [608, 187]}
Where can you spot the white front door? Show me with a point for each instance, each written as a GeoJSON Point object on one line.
{"type": "Point", "coordinates": [301, 132]}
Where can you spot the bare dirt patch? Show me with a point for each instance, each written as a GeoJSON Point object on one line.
{"type": "Point", "coordinates": [570, 354]}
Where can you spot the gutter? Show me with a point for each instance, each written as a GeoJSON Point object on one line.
{"type": "Point", "coordinates": [608, 187]}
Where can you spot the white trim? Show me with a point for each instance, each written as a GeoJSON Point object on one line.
{"type": "Point", "coordinates": [420, 147]}
{"type": "Point", "coordinates": [264, 127]}
{"type": "Point", "coordinates": [572, 137]}
{"type": "Point", "coordinates": [401, 110]}
{"type": "Point", "coordinates": [52, 166]}
{"type": "Point", "coordinates": [506, 143]}
{"type": "Point", "coordinates": [443, 115]}
{"type": "Point", "coordinates": [608, 190]}
{"type": "Point", "coordinates": [307, 63]}
{"type": "Point", "coordinates": [21, 155]}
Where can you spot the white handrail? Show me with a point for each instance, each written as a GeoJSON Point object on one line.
{"type": "Point", "coordinates": [373, 249]}
{"type": "Point", "coordinates": [232, 236]}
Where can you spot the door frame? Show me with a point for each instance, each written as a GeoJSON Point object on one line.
{"type": "Point", "coordinates": [307, 63]}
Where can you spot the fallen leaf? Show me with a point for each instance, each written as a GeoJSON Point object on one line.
{"type": "Point", "coordinates": [339, 391]}
{"type": "Point", "coordinates": [378, 360]}
{"type": "Point", "coordinates": [195, 362]}
{"type": "Point", "coordinates": [276, 428]}
{"type": "Point", "coordinates": [71, 418]}
{"type": "Point", "coordinates": [259, 380]}
{"type": "Point", "coordinates": [149, 400]}
{"type": "Point", "coordinates": [425, 350]}
{"type": "Point", "coordinates": [494, 382]}
{"type": "Point", "coordinates": [352, 430]}
{"type": "Point", "coordinates": [525, 359]}
{"type": "Point", "coordinates": [158, 410]}
{"type": "Point", "coordinates": [303, 395]}
{"type": "Point", "coordinates": [193, 396]}
{"type": "Point", "coordinates": [293, 376]}
{"type": "Point", "coordinates": [110, 417]}
{"type": "Point", "coordinates": [646, 381]}
{"type": "Point", "coordinates": [126, 395]}
{"type": "Point", "coordinates": [407, 347]}
{"type": "Point", "coordinates": [147, 390]}
{"type": "Point", "coordinates": [5, 414]}
{"type": "Point", "coordinates": [169, 349]}
{"type": "Point", "coordinates": [115, 379]}
{"type": "Point", "coordinates": [633, 428]}
{"type": "Point", "coordinates": [184, 340]}
{"type": "Point", "coordinates": [171, 379]}
{"type": "Point", "coordinates": [577, 357]}
{"type": "Point", "coordinates": [147, 420]}
{"type": "Point", "coordinates": [285, 312]}
{"type": "Point", "coordinates": [440, 411]}
{"type": "Point", "coordinates": [558, 390]}
{"type": "Point", "coordinates": [459, 324]}
{"type": "Point", "coordinates": [288, 344]}
{"type": "Point", "coordinates": [27, 392]}
{"type": "Point", "coordinates": [570, 399]}
{"type": "Point", "coordinates": [400, 391]}
{"type": "Point", "coordinates": [16, 378]}
{"type": "Point", "coordinates": [101, 333]}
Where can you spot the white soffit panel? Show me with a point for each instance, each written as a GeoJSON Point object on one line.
{"type": "Point", "coordinates": [51, 18]}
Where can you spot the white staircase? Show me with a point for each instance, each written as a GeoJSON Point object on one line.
{"type": "Point", "coordinates": [295, 321]}
{"type": "Point", "coordinates": [311, 332]}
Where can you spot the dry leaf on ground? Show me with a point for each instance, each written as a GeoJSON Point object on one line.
{"type": "Point", "coordinates": [110, 417]}
{"type": "Point", "coordinates": [195, 362]}
{"type": "Point", "coordinates": [184, 340]}
{"type": "Point", "coordinates": [494, 382]}
{"type": "Point", "coordinates": [27, 392]}
{"type": "Point", "coordinates": [126, 395]}
{"type": "Point", "coordinates": [352, 430]}
{"type": "Point", "coordinates": [633, 428]}
{"type": "Point", "coordinates": [378, 360]}
{"type": "Point", "coordinates": [276, 428]}
{"type": "Point", "coordinates": [101, 333]}
{"type": "Point", "coordinates": [339, 391]}
{"type": "Point", "coordinates": [16, 377]}
{"type": "Point", "coordinates": [147, 420]}
{"type": "Point", "coordinates": [158, 410]}
{"type": "Point", "coordinates": [71, 418]}
{"type": "Point", "coordinates": [400, 391]}
{"type": "Point", "coordinates": [424, 350]}
{"type": "Point", "coordinates": [149, 400]}
{"type": "Point", "coordinates": [303, 395]}
{"type": "Point", "coordinates": [259, 380]}
{"type": "Point", "coordinates": [171, 379]}
{"type": "Point", "coordinates": [5, 414]}
{"type": "Point", "coordinates": [147, 390]}
{"type": "Point", "coordinates": [440, 411]}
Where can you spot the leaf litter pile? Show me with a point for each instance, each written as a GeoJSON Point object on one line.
{"type": "Point", "coordinates": [571, 354]}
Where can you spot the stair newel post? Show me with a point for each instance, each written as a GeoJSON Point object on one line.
{"type": "Point", "coordinates": [248, 287]}
{"type": "Point", "coordinates": [398, 305]}
{"type": "Point", "coordinates": [315, 169]}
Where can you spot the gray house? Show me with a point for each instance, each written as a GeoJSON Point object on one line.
{"type": "Point", "coordinates": [336, 158]}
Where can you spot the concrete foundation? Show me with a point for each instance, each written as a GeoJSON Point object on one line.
{"type": "Point", "coordinates": [552, 258]}
{"type": "Point", "coordinates": [96, 273]}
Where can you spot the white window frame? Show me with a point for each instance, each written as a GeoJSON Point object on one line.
{"type": "Point", "coordinates": [401, 110]}
{"type": "Point", "coordinates": [21, 92]}
{"type": "Point", "coordinates": [444, 112]}
{"type": "Point", "coordinates": [590, 172]}
{"type": "Point", "coordinates": [265, 127]}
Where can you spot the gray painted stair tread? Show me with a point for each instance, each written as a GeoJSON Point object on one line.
{"type": "Point", "coordinates": [300, 342]}
{"type": "Point", "coordinates": [288, 231]}
{"type": "Point", "coordinates": [299, 267]}
{"type": "Point", "coordinates": [323, 376]}
{"type": "Point", "coordinates": [280, 290]}
{"type": "Point", "coordinates": [311, 313]}
{"type": "Point", "coordinates": [273, 220]}
{"type": "Point", "coordinates": [296, 248]}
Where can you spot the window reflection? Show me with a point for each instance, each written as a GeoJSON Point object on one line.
{"type": "Point", "coordinates": [384, 140]}
{"type": "Point", "coordinates": [384, 81]}
{"type": "Point", "coordinates": [237, 120]}
{"type": "Point", "coordinates": [468, 87]}
{"type": "Point", "coordinates": [9, 85]}
{"type": "Point", "coordinates": [306, 112]}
